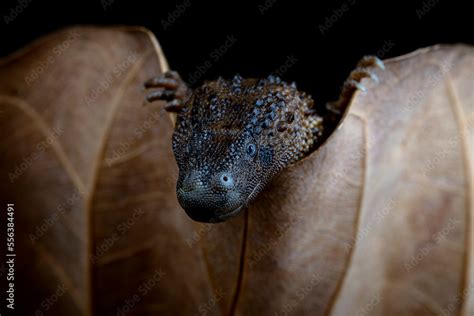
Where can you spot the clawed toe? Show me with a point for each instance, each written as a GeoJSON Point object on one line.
{"type": "Point", "coordinates": [161, 94]}
{"type": "Point", "coordinates": [365, 69]}
{"type": "Point", "coordinates": [168, 87]}
{"type": "Point", "coordinates": [161, 82]}
{"type": "Point", "coordinates": [370, 61]}
{"type": "Point", "coordinates": [356, 84]}
{"type": "Point", "coordinates": [174, 106]}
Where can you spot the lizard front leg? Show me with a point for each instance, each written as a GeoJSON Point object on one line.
{"type": "Point", "coordinates": [365, 68]}
{"type": "Point", "coordinates": [168, 87]}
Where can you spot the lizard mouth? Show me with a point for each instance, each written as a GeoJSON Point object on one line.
{"type": "Point", "coordinates": [222, 216]}
{"type": "Point", "coordinates": [204, 216]}
{"type": "Point", "coordinates": [209, 208]}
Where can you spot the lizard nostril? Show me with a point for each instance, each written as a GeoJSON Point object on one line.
{"type": "Point", "coordinates": [227, 181]}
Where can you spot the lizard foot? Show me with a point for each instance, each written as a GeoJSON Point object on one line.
{"type": "Point", "coordinates": [365, 69]}
{"type": "Point", "coordinates": [168, 87]}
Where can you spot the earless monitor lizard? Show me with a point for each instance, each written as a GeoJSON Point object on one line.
{"type": "Point", "coordinates": [233, 136]}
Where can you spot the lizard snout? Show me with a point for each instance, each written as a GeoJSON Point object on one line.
{"type": "Point", "coordinates": [211, 198]}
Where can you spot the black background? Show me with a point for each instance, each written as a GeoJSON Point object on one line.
{"type": "Point", "coordinates": [264, 41]}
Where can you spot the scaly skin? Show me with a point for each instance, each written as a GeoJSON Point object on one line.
{"type": "Point", "coordinates": [233, 136]}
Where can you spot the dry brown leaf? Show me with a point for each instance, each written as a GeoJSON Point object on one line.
{"type": "Point", "coordinates": [378, 221]}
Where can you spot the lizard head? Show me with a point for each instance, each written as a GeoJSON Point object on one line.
{"type": "Point", "coordinates": [232, 137]}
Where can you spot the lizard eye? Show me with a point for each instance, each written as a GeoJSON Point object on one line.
{"type": "Point", "coordinates": [251, 150]}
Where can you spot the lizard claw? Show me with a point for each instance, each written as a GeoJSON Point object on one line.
{"type": "Point", "coordinates": [364, 69]}
{"type": "Point", "coordinates": [370, 61]}
{"type": "Point", "coordinates": [168, 87]}
{"type": "Point", "coordinates": [161, 94]}
{"type": "Point", "coordinates": [357, 85]}
{"type": "Point", "coordinates": [374, 77]}
{"type": "Point", "coordinates": [174, 106]}
{"type": "Point", "coordinates": [161, 82]}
